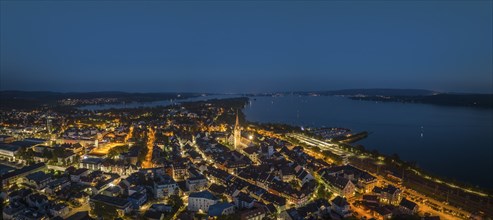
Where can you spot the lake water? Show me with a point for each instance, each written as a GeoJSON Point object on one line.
{"type": "Point", "coordinates": [455, 142]}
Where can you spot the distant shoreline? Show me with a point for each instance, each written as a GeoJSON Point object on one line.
{"type": "Point", "coordinates": [30, 100]}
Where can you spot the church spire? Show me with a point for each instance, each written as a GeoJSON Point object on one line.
{"type": "Point", "coordinates": [237, 124]}
{"type": "Point", "coordinates": [237, 132]}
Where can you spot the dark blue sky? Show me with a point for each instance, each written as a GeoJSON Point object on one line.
{"type": "Point", "coordinates": [246, 46]}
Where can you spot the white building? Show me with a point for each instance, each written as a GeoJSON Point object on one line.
{"type": "Point", "coordinates": [164, 186]}
{"type": "Point", "coordinates": [8, 151]}
{"type": "Point", "coordinates": [91, 163]}
{"type": "Point", "coordinates": [201, 201]}
{"type": "Point", "coordinates": [195, 184]}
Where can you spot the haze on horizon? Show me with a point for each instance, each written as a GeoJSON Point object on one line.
{"type": "Point", "coordinates": [245, 46]}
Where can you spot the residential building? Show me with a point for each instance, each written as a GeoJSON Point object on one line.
{"type": "Point", "coordinates": [11, 177]}
{"type": "Point", "coordinates": [342, 186]}
{"type": "Point", "coordinates": [201, 201]}
{"type": "Point", "coordinates": [388, 194]}
{"type": "Point", "coordinates": [340, 206]}
{"type": "Point", "coordinates": [8, 151]}
{"type": "Point", "coordinates": [92, 163]}
{"type": "Point", "coordinates": [408, 207]}
{"type": "Point", "coordinates": [222, 208]}
{"type": "Point", "coordinates": [38, 180]}
{"type": "Point", "coordinates": [253, 214]}
{"type": "Point", "coordinates": [123, 206]}
{"type": "Point", "coordinates": [164, 186]}
{"type": "Point", "coordinates": [197, 183]}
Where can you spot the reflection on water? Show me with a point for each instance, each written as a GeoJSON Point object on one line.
{"type": "Point", "coordinates": [455, 142]}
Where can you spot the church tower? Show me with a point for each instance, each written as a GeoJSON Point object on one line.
{"type": "Point", "coordinates": [237, 132]}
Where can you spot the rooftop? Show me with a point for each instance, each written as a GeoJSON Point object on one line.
{"type": "Point", "coordinates": [339, 201]}
{"type": "Point", "coordinates": [38, 176]}
{"type": "Point", "coordinates": [9, 147]}
{"type": "Point", "coordinates": [110, 200]}
{"type": "Point", "coordinates": [218, 208]}
{"type": "Point", "coordinates": [407, 204]}
{"type": "Point", "coordinates": [203, 194]}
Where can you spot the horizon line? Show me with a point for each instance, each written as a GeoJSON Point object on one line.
{"type": "Point", "coordinates": [237, 93]}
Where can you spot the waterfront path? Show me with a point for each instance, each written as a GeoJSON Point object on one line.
{"type": "Point", "coordinates": [414, 195]}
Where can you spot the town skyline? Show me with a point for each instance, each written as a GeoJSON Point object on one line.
{"type": "Point", "coordinates": [248, 110]}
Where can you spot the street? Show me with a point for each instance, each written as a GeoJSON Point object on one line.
{"type": "Point", "coordinates": [413, 195]}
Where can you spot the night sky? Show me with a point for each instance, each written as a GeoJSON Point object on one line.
{"type": "Point", "coordinates": [245, 46]}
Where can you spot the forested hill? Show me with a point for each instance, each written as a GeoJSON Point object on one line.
{"type": "Point", "coordinates": [412, 96]}
{"type": "Point", "coordinates": [33, 99]}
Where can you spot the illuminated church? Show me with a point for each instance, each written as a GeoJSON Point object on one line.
{"type": "Point", "coordinates": [237, 133]}
{"type": "Point", "coordinates": [236, 139]}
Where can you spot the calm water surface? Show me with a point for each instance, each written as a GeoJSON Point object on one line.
{"type": "Point", "coordinates": [454, 142]}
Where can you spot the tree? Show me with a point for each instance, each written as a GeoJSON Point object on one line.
{"type": "Point", "coordinates": [316, 149]}
{"type": "Point", "coordinates": [26, 154]}
{"type": "Point", "coordinates": [336, 158]}
{"type": "Point", "coordinates": [406, 217]}
{"type": "Point", "coordinates": [117, 150]}
{"type": "Point", "coordinates": [229, 217]}
{"type": "Point", "coordinates": [1, 204]}
{"type": "Point", "coordinates": [47, 153]}
{"type": "Point", "coordinates": [224, 198]}
{"type": "Point", "coordinates": [105, 211]}
{"type": "Point", "coordinates": [360, 147]}
{"type": "Point", "coordinates": [175, 202]}
{"type": "Point", "coordinates": [375, 153]}
{"type": "Point", "coordinates": [395, 156]}
{"type": "Point", "coordinates": [57, 152]}
{"type": "Point", "coordinates": [322, 192]}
